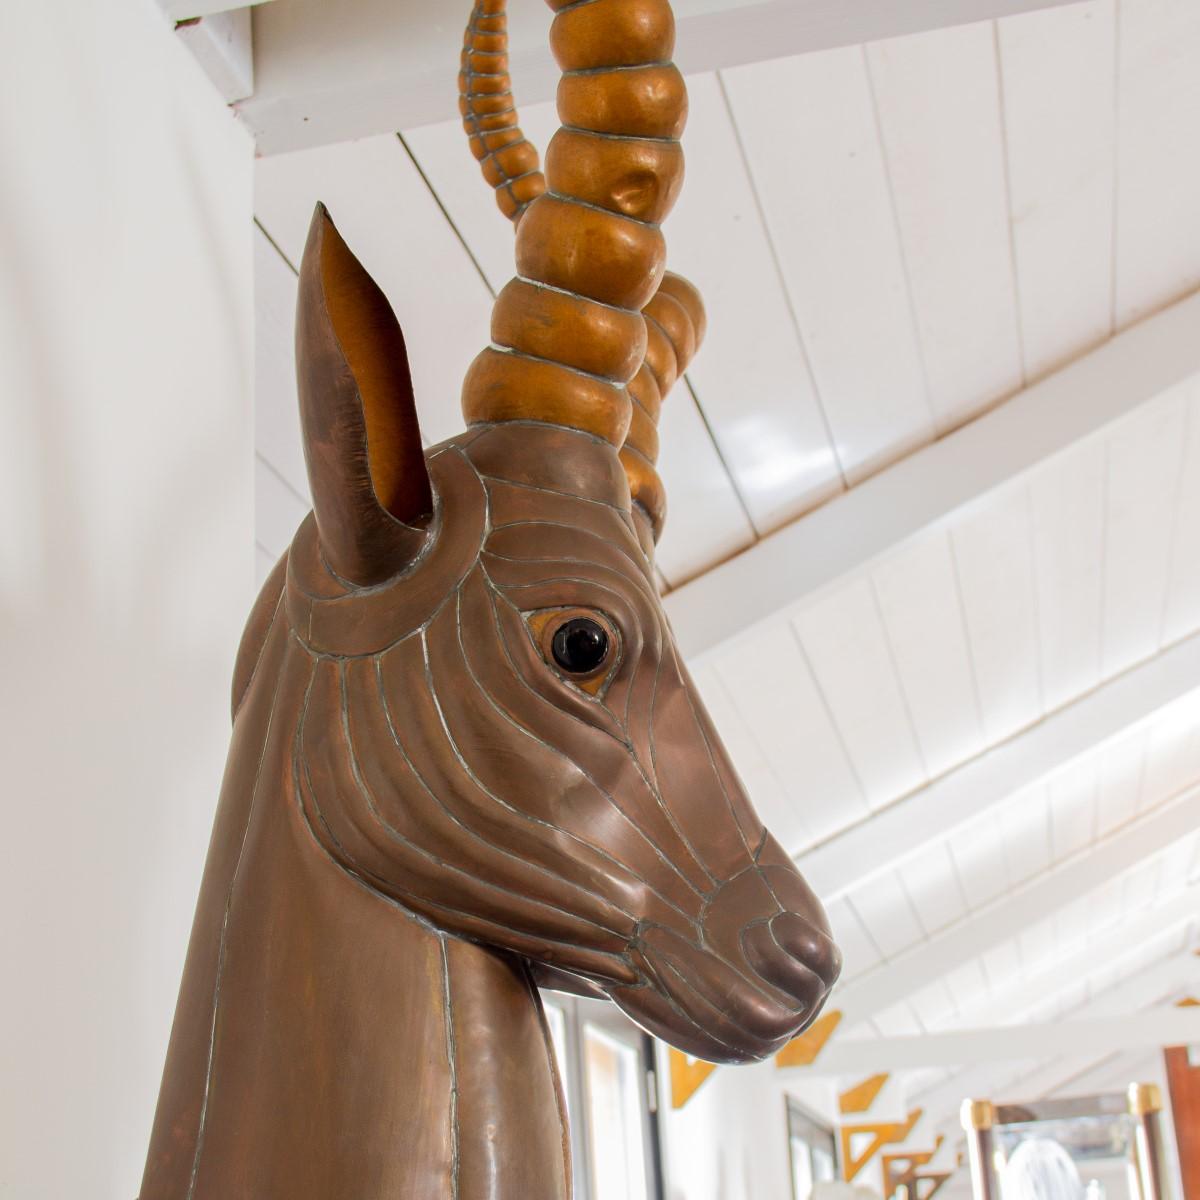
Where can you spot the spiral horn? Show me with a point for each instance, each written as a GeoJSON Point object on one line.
{"type": "Point", "coordinates": [509, 161]}
{"type": "Point", "coordinates": [570, 343]}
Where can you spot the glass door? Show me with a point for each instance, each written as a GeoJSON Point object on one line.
{"type": "Point", "coordinates": [813, 1151]}
{"type": "Point", "coordinates": [607, 1068]}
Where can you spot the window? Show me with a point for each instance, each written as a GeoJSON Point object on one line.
{"type": "Point", "coordinates": [606, 1065]}
{"type": "Point", "coordinates": [814, 1157]}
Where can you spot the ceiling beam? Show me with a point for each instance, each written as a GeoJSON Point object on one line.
{"type": "Point", "coordinates": [893, 980]}
{"type": "Point", "coordinates": [1113, 1073]}
{"type": "Point", "coordinates": [922, 491]}
{"type": "Point", "coordinates": [222, 45]}
{"type": "Point", "coordinates": [1128, 936]}
{"type": "Point", "coordinates": [186, 10]}
{"type": "Point", "coordinates": [331, 72]}
{"type": "Point", "coordinates": [1095, 1036]}
{"type": "Point", "coordinates": [1156, 984]}
{"type": "Point", "coordinates": [879, 843]}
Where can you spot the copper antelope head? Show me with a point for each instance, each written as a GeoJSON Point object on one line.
{"type": "Point", "coordinates": [592, 335]}
{"type": "Point", "coordinates": [467, 757]}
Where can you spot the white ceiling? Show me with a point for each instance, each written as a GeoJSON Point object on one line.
{"type": "Point", "coordinates": [893, 239]}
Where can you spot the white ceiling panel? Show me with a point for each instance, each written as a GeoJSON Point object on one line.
{"type": "Point", "coordinates": [1158, 158]}
{"type": "Point", "coordinates": [933, 1004]}
{"type": "Point", "coordinates": [1181, 613]}
{"type": "Point", "coordinates": [1057, 76]}
{"type": "Point", "coordinates": [1072, 796]}
{"type": "Point", "coordinates": [278, 508]}
{"type": "Point", "coordinates": [993, 553]}
{"type": "Point", "coordinates": [897, 1021]}
{"type": "Point", "coordinates": [264, 563]}
{"type": "Point", "coordinates": [706, 522]}
{"type": "Point", "coordinates": [1101, 980]}
{"type": "Point", "coordinates": [1071, 925]}
{"type": "Point", "coordinates": [780, 702]}
{"type": "Point", "coordinates": [391, 222]}
{"type": "Point", "coordinates": [1176, 866]}
{"type": "Point", "coordinates": [982, 871]}
{"type": "Point", "coordinates": [1105, 903]}
{"type": "Point", "coordinates": [887, 914]}
{"type": "Point", "coordinates": [931, 880]}
{"type": "Point", "coordinates": [1002, 963]}
{"type": "Point", "coordinates": [1025, 820]}
{"type": "Point", "coordinates": [859, 952]}
{"type": "Point", "coordinates": [918, 595]}
{"type": "Point", "coordinates": [751, 376]}
{"type": "Point", "coordinates": [1068, 539]}
{"type": "Point", "coordinates": [968, 984]}
{"type": "Point", "coordinates": [1038, 944]}
{"type": "Point", "coordinates": [448, 164]}
{"type": "Point", "coordinates": [1120, 770]}
{"type": "Point", "coordinates": [1145, 456]}
{"type": "Point", "coordinates": [1140, 886]}
{"type": "Point", "coordinates": [938, 103]}
{"type": "Point", "coordinates": [846, 644]}
{"type": "Point", "coordinates": [811, 137]}
{"type": "Point", "coordinates": [1172, 753]}
{"type": "Point", "coordinates": [770, 798]}
{"type": "Point", "coordinates": [276, 411]}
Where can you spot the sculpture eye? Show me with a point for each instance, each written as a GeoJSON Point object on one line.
{"type": "Point", "coordinates": [580, 646]}
{"type": "Point", "coordinates": [580, 643]}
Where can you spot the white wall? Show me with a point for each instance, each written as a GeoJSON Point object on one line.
{"type": "Point", "coordinates": [126, 561]}
{"type": "Point", "coordinates": [729, 1142]}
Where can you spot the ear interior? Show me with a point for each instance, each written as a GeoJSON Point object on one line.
{"type": "Point", "coordinates": [374, 349]}
{"type": "Point", "coordinates": [362, 443]}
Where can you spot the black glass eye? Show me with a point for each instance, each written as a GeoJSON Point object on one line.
{"type": "Point", "coordinates": [580, 645]}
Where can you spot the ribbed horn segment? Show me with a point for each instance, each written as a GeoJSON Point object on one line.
{"type": "Point", "coordinates": [570, 345]}
{"type": "Point", "coordinates": [509, 161]}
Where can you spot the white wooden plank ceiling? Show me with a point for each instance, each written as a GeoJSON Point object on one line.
{"type": "Point", "coordinates": [927, 226]}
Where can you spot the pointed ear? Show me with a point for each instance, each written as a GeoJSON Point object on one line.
{"type": "Point", "coordinates": [362, 443]}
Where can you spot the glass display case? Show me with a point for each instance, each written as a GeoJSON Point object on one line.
{"type": "Point", "coordinates": [1104, 1147]}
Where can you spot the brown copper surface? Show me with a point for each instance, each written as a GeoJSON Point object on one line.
{"type": "Point", "coordinates": [424, 816]}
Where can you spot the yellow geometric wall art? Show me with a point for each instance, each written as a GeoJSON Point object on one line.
{"type": "Point", "coordinates": [904, 1166]}
{"type": "Point", "coordinates": [873, 1137]}
{"type": "Point", "coordinates": [860, 1097]}
{"type": "Point", "coordinates": [803, 1050]}
{"type": "Point", "coordinates": [687, 1074]}
{"type": "Point", "coordinates": [926, 1184]}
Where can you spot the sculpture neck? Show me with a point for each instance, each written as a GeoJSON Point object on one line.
{"type": "Point", "coordinates": [327, 1042]}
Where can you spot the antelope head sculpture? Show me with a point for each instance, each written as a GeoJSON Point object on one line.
{"type": "Point", "coordinates": [467, 759]}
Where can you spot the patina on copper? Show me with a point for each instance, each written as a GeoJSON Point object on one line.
{"type": "Point", "coordinates": [426, 814]}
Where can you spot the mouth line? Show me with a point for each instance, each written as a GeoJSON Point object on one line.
{"type": "Point", "coordinates": [704, 948]}
{"type": "Point", "coordinates": [707, 1044]}
{"type": "Point", "coordinates": [684, 993]}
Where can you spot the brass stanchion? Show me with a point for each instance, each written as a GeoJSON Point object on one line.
{"type": "Point", "coordinates": [979, 1120]}
{"type": "Point", "coordinates": [1145, 1105]}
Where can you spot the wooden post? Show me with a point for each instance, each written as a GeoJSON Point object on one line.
{"type": "Point", "coordinates": [979, 1120]}
{"type": "Point", "coordinates": [1183, 1080]}
{"type": "Point", "coordinates": [1145, 1104]}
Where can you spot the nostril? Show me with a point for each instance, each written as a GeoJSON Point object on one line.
{"type": "Point", "coordinates": [779, 966]}
{"type": "Point", "coordinates": [809, 944]}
